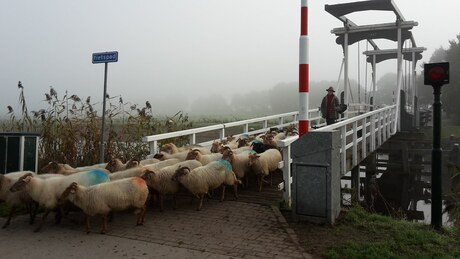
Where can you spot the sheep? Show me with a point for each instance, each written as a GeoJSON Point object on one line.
{"type": "Point", "coordinates": [204, 159]}
{"type": "Point", "coordinates": [165, 156]}
{"type": "Point", "coordinates": [239, 163]}
{"type": "Point", "coordinates": [171, 148]}
{"type": "Point", "coordinates": [65, 169]}
{"type": "Point", "coordinates": [110, 196]}
{"type": "Point", "coordinates": [261, 147]}
{"type": "Point", "coordinates": [17, 199]}
{"type": "Point", "coordinates": [138, 171]}
{"type": "Point", "coordinates": [47, 191]}
{"type": "Point", "coordinates": [265, 163]}
{"type": "Point", "coordinates": [161, 180]}
{"type": "Point", "coordinates": [201, 180]}
{"type": "Point", "coordinates": [115, 165]}
{"type": "Point", "coordinates": [216, 146]}
{"type": "Point", "coordinates": [148, 161]}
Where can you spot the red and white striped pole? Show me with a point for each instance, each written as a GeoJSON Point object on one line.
{"type": "Point", "coordinates": [303, 70]}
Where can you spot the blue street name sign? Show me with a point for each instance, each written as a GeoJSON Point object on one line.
{"type": "Point", "coordinates": [105, 57]}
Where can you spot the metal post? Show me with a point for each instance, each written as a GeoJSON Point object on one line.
{"type": "Point", "coordinates": [303, 70]}
{"type": "Point", "coordinates": [436, 163]}
{"type": "Point", "coordinates": [103, 115]}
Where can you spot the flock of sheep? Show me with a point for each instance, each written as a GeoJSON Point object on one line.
{"type": "Point", "coordinates": [116, 186]}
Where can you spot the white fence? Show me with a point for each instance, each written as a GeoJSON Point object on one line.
{"type": "Point", "coordinates": [363, 132]}
{"type": "Point", "coordinates": [279, 121]}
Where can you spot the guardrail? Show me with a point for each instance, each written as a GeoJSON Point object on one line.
{"type": "Point", "coordinates": [282, 120]}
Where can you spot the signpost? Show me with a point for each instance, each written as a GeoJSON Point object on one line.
{"type": "Point", "coordinates": [104, 57]}
{"type": "Point", "coordinates": [436, 75]}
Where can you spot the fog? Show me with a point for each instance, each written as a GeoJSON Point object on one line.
{"type": "Point", "coordinates": [201, 56]}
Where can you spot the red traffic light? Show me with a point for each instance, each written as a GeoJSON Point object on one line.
{"type": "Point", "coordinates": [436, 73]}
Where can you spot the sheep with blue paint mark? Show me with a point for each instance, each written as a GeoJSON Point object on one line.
{"type": "Point", "coordinates": [240, 163]}
{"type": "Point", "coordinates": [47, 191]}
{"type": "Point", "coordinates": [161, 180]}
{"type": "Point", "coordinates": [201, 180]}
{"type": "Point", "coordinates": [101, 199]}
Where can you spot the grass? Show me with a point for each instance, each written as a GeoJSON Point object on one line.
{"type": "Point", "coordinates": [359, 234]}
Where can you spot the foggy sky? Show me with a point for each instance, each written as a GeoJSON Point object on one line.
{"type": "Point", "coordinates": [186, 49]}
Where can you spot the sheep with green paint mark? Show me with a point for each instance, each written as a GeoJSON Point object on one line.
{"type": "Point", "coordinates": [201, 180]}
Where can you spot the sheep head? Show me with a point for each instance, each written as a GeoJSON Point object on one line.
{"type": "Point", "coordinates": [216, 147]}
{"type": "Point", "coordinates": [192, 154]}
{"type": "Point", "coordinates": [168, 148]}
{"type": "Point", "coordinates": [69, 190]}
{"type": "Point", "coordinates": [132, 163]}
{"type": "Point", "coordinates": [50, 168]}
{"type": "Point", "coordinates": [227, 154]}
{"type": "Point", "coordinates": [253, 158]}
{"type": "Point", "coordinates": [21, 183]}
{"type": "Point", "coordinates": [180, 171]}
{"type": "Point", "coordinates": [113, 164]}
{"type": "Point", "coordinates": [148, 175]}
{"type": "Point", "coordinates": [159, 156]}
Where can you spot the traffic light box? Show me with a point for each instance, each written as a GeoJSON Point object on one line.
{"type": "Point", "coordinates": [436, 74]}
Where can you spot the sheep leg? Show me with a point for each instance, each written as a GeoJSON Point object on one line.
{"type": "Point", "coordinates": [174, 201]}
{"type": "Point", "coordinates": [104, 224]}
{"type": "Point", "coordinates": [222, 197]}
{"type": "Point", "coordinates": [261, 179]}
{"type": "Point", "coordinates": [10, 215]}
{"type": "Point", "coordinates": [141, 216]}
{"type": "Point", "coordinates": [88, 225]}
{"type": "Point", "coordinates": [161, 202]}
{"type": "Point", "coordinates": [235, 190]}
{"type": "Point", "coordinates": [43, 220]}
{"type": "Point", "coordinates": [33, 212]}
{"type": "Point", "coordinates": [201, 202]}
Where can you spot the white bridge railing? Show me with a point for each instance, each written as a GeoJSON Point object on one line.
{"type": "Point", "coordinates": [360, 135]}
{"type": "Point", "coordinates": [279, 121]}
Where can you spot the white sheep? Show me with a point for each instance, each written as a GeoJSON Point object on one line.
{"type": "Point", "coordinates": [66, 169]}
{"type": "Point", "coordinates": [240, 163]}
{"type": "Point", "coordinates": [161, 180]}
{"type": "Point", "coordinates": [110, 196]}
{"type": "Point", "coordinates": [165, 156]}
{"type": "Point", "coordinates": [171, 148]}
{"type": "Point", "coordinates": [138, 171]}
{"type": "Point", "coordinates": [47, 191]}
{"type": "Point", "coordinates": [17, 199]}
{"type": "Point", "coordinates": [201, 180]}
{"type": "Point", "coordinates": [115, 165]}
{"type": "Point", "coordinates": [204, 159]}
{"type": "Point", "coordinates": [148, 161]}
{"type": "Point", "coordinates": [264, 163]}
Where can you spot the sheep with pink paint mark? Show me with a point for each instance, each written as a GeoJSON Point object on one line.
{"type": "Point", "coordinates": [101, 199]}
{"type": "Point", "coordinates": [47, 191]}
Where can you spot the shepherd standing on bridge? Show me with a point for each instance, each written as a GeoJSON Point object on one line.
{"type": "Point", "coordinates": [329, 106]}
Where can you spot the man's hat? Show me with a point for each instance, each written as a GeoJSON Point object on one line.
{"type": "Point", "coordinates": [330, 89]}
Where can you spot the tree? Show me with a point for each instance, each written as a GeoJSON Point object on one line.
{"type": "Point", "coordinates": [451, 92]}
